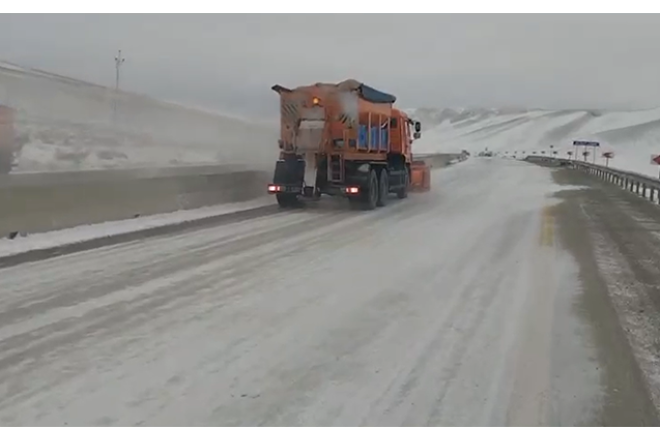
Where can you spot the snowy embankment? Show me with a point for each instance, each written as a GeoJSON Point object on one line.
{"type": "Point", "coordinates": [633, 136]}
{"type": "Point", "coordinates": [68, 124]}
{"type": "Point", "coordinates": [84, 233]}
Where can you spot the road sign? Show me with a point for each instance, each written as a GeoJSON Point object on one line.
{"type": "Point", "coordinates": [587, 143]}
{"type": "Point", "coordinates": [655, 160]}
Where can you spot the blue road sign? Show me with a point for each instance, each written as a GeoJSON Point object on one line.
{"type": "Point", "coordinates": [587, 143]}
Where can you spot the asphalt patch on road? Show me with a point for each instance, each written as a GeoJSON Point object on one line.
{"type": "Point", "coordinates": [601, 209]}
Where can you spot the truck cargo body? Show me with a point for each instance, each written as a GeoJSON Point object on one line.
{"type": "Point", "coordinates": [342, 139]}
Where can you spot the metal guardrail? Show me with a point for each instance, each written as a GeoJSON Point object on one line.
{"type": "Point", "coordinates": [637, 183]}
{"type": "Point", "coordinates": [439, 159]}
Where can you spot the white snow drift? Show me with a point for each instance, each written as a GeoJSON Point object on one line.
{"type": "Point", "coordinates": [633, 136]}
{"type": "Point", "coordinates": [71, 124]}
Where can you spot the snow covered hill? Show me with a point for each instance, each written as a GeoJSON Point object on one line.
{"type": "Point", "coordinates": [71, 124]}
{"type": "Point", "coordinates": [632, 135]}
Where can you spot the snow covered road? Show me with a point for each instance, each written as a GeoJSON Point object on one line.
{"type": "Point", "coordinates": [454, 307]}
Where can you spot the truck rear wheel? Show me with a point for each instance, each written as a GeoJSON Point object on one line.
{"type": "Point", "coordinates": [383, 188]}
{"type": "Point", "coordinates": [402, 192]}
{"type": "Point", "coordinates": [370, 200]}
{"type": "Point", "coordinates": [285, 200]}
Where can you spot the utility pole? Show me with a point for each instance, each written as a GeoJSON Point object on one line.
{"type": "Point", "coordinates": [119, 60]}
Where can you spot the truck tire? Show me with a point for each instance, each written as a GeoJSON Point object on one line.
{"type": "Point", "coordinates": [383, 188]}
{"type": "Point", "coordinates": [285, 200]}
{"type": "Point", "coordinates": [402, 192]}
{"type": "Point", "coordinates": [370, 200]}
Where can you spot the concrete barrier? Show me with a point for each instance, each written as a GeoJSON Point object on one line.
{"type": "Point", "coordinates": [31, 203]}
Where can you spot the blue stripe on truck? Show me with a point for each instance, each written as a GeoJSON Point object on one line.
{"type": "Point", "coordinates": [377, 142]}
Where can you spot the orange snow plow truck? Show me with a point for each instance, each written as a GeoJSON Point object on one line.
{"type": "Point", "coordinates": [345, 140]}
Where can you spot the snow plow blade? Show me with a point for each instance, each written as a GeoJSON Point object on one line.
{"type": "Point", "coordinates": [420, 177]}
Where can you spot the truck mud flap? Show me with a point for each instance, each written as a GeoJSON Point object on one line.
{"type": "Point", "coordinates": [289, 173]}
{"type": "Point", "coordinates": [420, 178]}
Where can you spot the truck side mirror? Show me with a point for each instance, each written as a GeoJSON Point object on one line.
{"type": "Point", "coordinates": [417, 135]}
{"type": "Point", "coordinates": [418, 126]}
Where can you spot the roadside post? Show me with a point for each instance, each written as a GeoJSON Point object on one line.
{"type": "Point", "coordinates": [655, 160]}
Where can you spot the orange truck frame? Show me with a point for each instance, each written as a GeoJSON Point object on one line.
{"type": "Point", "coordinates": [345, 139]}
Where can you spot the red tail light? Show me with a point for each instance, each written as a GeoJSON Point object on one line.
{"type": "Point", "coordinates": [274, 189]}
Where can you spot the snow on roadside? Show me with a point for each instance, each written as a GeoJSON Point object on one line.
{"type": "Point", "coordinates": [84, 233]}
{"type": "Point", "coordinates": [68, 124]}
{"type": "Point", "coordinates": [629, 302]}
{"type": "Point", "coordinates": [633, 135]}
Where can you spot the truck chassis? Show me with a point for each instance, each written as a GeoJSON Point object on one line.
{"type": "Point", "coordinates": [366, 184]}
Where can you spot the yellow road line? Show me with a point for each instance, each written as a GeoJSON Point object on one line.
{"type": "Point", "coordinates": [547, 227]}
{"type": "Point", "coordinates": [531, 402]}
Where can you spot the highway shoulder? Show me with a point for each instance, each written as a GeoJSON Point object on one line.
{"type": "Point", "coordinates": [614, 236]}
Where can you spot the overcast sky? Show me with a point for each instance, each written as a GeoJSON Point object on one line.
{"type": "Point", "coordinates": [228, 62]}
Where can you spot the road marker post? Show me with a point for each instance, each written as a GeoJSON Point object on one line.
{"type": "Point", "coordinates": [655, 160]}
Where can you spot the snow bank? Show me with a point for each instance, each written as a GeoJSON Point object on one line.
{"type": "Point", "coordinates": [96, 231]}
{"type": "Point", "coordinates": [69, 124]}
{"type": "Point", "coordinates": [633, 136]}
